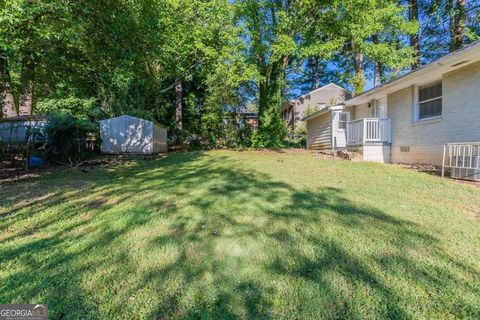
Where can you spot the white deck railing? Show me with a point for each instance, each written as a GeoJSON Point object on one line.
{"type": "Point", "coordinates": [367, 130]}
{"type": "Point", "coordinates": [463, 159]}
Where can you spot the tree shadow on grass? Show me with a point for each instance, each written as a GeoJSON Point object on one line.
{"type": "Point", "coordinates": [200, 236]}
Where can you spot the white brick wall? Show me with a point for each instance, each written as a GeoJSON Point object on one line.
{"type": "Point", "coordinates": [460, 121]}
{"type": "Point", "coordinates": [362, 111]}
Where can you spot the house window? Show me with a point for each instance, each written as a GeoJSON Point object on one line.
{"type": "Point", "coordinates": [342, 121]}
{"type": "Point", "coordinates": [430, 101]}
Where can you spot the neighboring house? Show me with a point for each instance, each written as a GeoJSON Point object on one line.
{"type": "Point", "coordinates": [294, 111]}
{"type": "Point", "coordinates": [410, 119]}
{"type": "Point", "coordinates": [241, 119]}
{"type": "Point", "coordinates": [250, 118]}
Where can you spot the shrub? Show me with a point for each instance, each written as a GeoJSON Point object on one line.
{"type": "Point", "coordinates": [297, 138]}
{"type": "Point", "coordinates": [67, 136]}
{"type": "Point", "coordinates": [271, 130]}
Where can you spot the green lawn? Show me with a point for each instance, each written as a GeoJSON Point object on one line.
{"type": "Point", "coordinates": [227, 234]}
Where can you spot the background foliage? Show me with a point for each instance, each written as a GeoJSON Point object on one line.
{"type": "Point", "coordinates": [190, 64]}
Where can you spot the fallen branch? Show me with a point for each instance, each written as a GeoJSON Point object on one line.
{"type": "Point", "coordinates": [71, 164]}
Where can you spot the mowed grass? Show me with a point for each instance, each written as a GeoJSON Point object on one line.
{"type": "Point", "coordinates": [227, 234]}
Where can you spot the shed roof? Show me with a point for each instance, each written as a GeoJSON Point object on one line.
{"type": "Point", "coordinates": [136, 118]}
{"type": "Point", "coordinates": [125, 116]}
{"type": "Point", "coordinates": [36, 117]}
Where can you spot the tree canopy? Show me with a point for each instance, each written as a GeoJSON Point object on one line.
{"type": "Point", "coordinates": [190, 64]}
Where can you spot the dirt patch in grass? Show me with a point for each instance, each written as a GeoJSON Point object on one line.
{"type": "Point", "coordinates": [476, 215]}
{"type": "Point", "coordinates": [100, 202]}
{"type": "Point", "coordinates": [34, 200]}
{"type": "Point", "coordinates": [97, 203]}
{"type": "Point", "coordinates": [13, 175]}
{"type": "Point", "coordinates": [167, 204]}
{"type": "Point", "coordinates": [86, 216]}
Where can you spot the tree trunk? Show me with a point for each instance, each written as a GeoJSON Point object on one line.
{"type": "Point", "coordinates": [6, 96]}
{"type": "Point", "coordinates": [26, 82]}
{"type": "Point", "coordinates": [359, 80]}
{"type": "Point", "coordinates": [315, 70]}
{"type": "Point", "coordinates": [178, 107]}
{"type": "Point", "coordinates": [457, 30]}
{"type": "Point", "coordinates": [271, 127]}
{"type": "Point", "coordinates": [26, 102]}
{"type": "Point", "coordinates": [414, 39]}
{"type": "Point", "coordinates": [379, 70]}
{"type": "Point", "coordinates": [376, 76]}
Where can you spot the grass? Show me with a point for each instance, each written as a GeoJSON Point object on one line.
{"type": "Point", "coordinates": [227, 234]}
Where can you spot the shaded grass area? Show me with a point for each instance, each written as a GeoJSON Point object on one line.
{"type": "Point", "coordinates": [241, 235]}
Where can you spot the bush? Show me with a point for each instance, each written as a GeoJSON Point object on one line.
{"type": "Point", "coordinates": [225, 130]}
{"type": "Point", "coordinates": [67, 135]}
{"type": "Point", "coordinates": [270, 132]}
{"type": "Point", "coordinates": [297, 138]}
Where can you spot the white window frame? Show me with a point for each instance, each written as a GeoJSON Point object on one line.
{"type": "Point", "coordinates": [347, 114]}
{"type": "Point", "coordinates": [416, 102]}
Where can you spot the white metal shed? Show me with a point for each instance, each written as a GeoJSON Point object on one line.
{"type": "Point", "coordinates": [127, 134]}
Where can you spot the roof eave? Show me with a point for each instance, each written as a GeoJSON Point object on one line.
{"type": "Point", "coordinates": [321, 112]}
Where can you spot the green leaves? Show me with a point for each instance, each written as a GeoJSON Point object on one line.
{"type": "Point", "coordinates": [127, 55]}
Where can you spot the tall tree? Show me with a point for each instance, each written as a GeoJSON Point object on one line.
{"type": "Point", "coordinates": [379, 69]}
{"type": "Point", "coordinates": [6, 96]}
{"type": "Point", "coordinates": [315, 67]}
{"type": "Point", "coordinates": [271, 30]}
{"type": "Point", "coordinates": [30, 34]}
{"type": "Point", "coordinates": [178, 106]}
{"type": "Point", "coordinates": [355, 22]}
{"type": "Point", "coordinates": [414, 37]}
{"type": "Point", "coordinates": [447, 25]}
{"type": "Point", "coordinates": [359, 78]}
{"type": "Point", "coordinates": [457, 24]}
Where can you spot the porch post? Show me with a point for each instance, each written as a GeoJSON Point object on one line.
{"type": "Point", "coordinates": [443, 160]}
{"type": "Point", "coordinates": [389, 130]}
{"type": "Point", "coordinates": [364, 135]}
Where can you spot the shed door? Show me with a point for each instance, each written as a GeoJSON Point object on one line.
{"type": "Point", "coordinates": [340, 122]}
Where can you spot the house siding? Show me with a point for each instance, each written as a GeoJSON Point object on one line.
{"type": "Point", "coordinates": [459, 122]}
{"type": "Point", "coordinates": [315, 99]}
{"type": "Point", "coordinates": [319, 132]}
{"type": "Point", "coordinates": [362, 111]}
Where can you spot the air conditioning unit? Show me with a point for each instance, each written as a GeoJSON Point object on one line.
{"type": "Point", "coordinates": [470, 174]}
{"type": "Point", "coordinates": [463, 173]}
